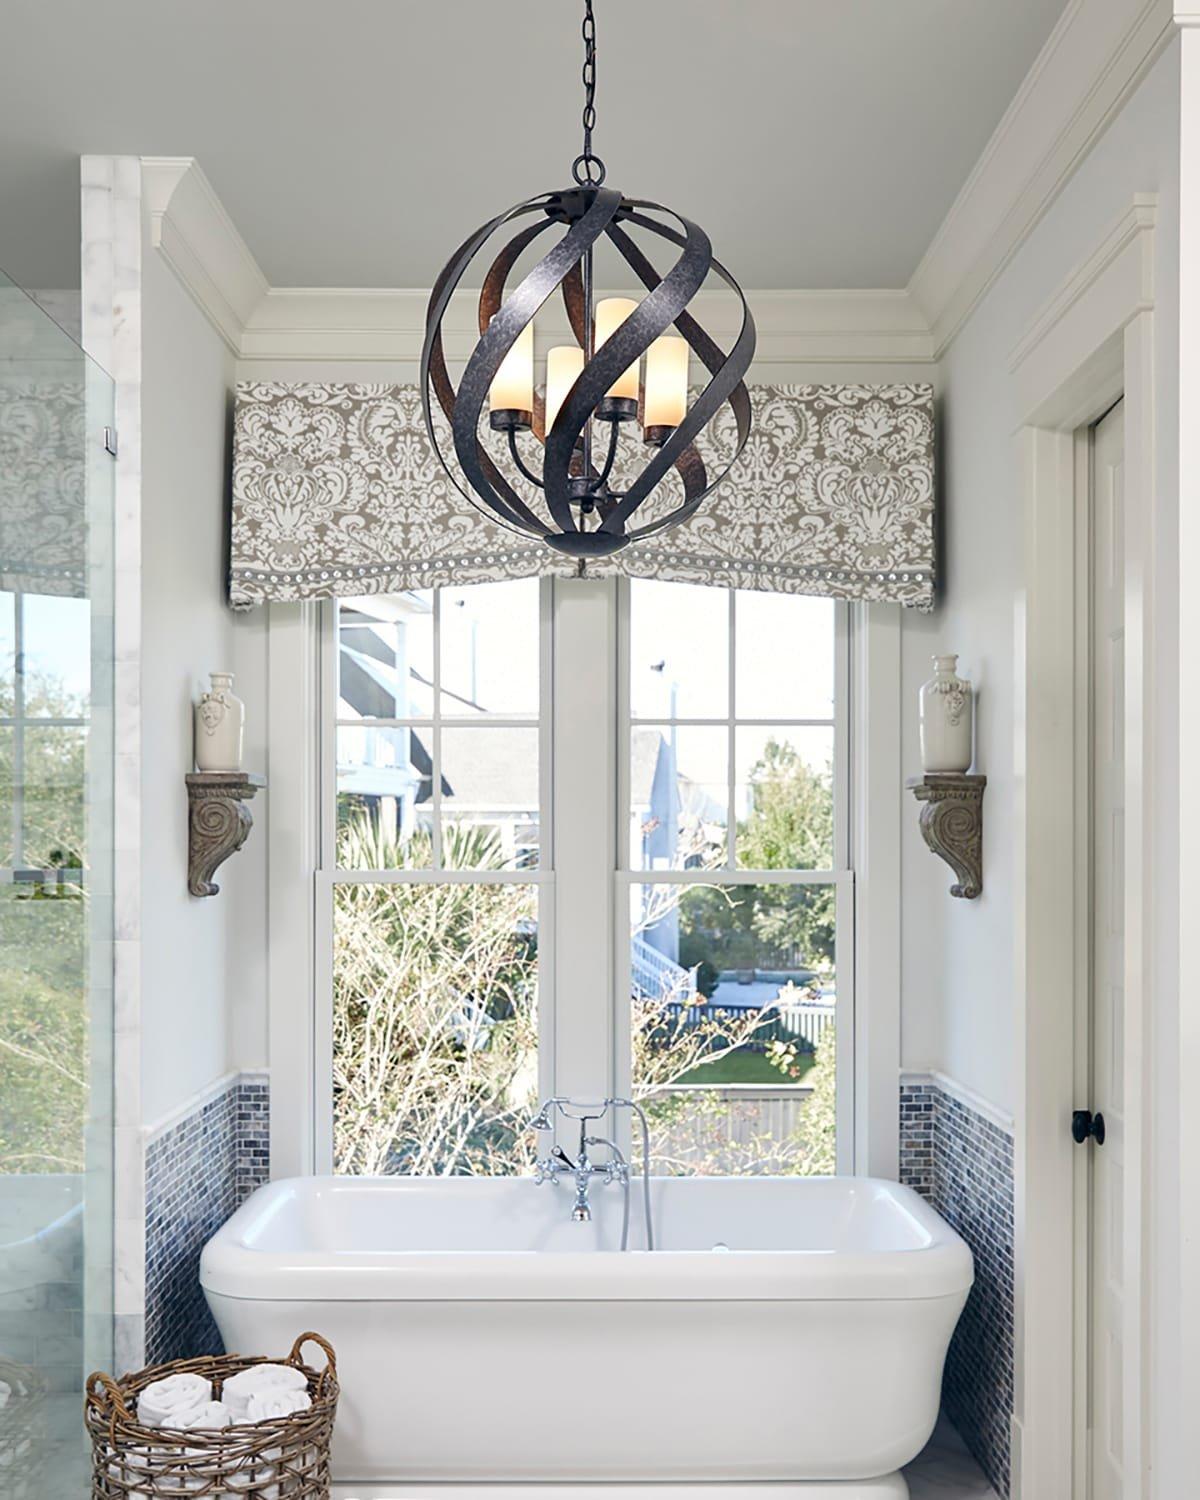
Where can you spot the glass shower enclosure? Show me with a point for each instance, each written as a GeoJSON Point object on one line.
{"type": "Point", "coordinates": [56, 894]}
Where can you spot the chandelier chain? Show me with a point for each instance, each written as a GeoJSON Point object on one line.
{"type": "Point", "coordinates": [588, 169]}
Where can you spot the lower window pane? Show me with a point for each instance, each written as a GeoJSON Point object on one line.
{"type": "Point", "coordinates": [733, 1026]}
{"type": "Point", "coordinates": [434, 1028]}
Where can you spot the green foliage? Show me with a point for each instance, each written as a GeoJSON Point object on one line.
{"type": "Point", "coordinates": [434, 1012]}
{"type": "Point", "coordinates": [818, 1129]}
{"type": "Point", "coordinates": [789, 827]}
{"type": "Point", "coordinates": [43, 1033]}
{"type": "Point", "coordinates": [43, 941]}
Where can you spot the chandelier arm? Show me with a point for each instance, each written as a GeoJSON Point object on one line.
{"type": "Point", "coordinates": [503, 331]}
{"type": "Point", "coordinates": [519, 461]}
{"type": "Point", "coordinates": [496, 493]}
{"type": "Point", "coordinates": [698, 416]}
{"type": "Point", "coordinates": [705, 347]}
{"type": "Point", "coordinates": [655, 313]}
{"type": "Point", "coordinates": [601, 479]}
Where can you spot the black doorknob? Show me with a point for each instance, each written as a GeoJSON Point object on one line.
{"type": "Point", "coordinates": [1085, 1125]}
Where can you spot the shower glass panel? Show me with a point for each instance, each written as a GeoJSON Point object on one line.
{"type": "Point", "coordinates": [56, 905]}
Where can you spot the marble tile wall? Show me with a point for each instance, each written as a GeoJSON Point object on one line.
{"type": "Point", "coordinates": [111, 225]}
{"type": "Point", "coordinates": [959, 1156]}
{"type": "Point", "coordinates": [198, 1170]}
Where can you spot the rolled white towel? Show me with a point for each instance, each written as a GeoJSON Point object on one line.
{"type": "Point", "coordinates": [266, 1406]}
{"type": "Point", "coordinates": [238, 1389]}
{"type": "Point", "coordinates": [211, 1416]}
{"type": "Point", "coordinates": [165, 1403]}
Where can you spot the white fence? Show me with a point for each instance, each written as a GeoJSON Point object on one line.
{"type": "Point", "coordinates": [725, 1127]}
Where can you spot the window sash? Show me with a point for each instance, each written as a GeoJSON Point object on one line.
{"type": "Point", "coordinates": [730, 873]}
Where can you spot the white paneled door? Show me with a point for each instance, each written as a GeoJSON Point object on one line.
{"type": "Point", "coordinates": [1106, 1145]}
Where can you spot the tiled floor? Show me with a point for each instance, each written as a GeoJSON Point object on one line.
{"type": "Point", "coordinates": [946, 1471]}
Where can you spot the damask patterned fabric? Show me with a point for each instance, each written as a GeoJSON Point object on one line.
{"type": "Point", "coordinates": [43, 499]}
{"type": "Point", "coordinates": [337, 490]}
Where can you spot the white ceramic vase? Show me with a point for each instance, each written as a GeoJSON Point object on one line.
{"type": "Point", "coordinates": [947, 713]}
{"type": "Point", "coordinates": [220, 719]}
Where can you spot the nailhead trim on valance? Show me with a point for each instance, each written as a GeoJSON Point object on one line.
{"type": "Point", "coordinates": [336, 489]}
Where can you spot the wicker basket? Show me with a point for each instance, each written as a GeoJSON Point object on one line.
{"type": "Point", "coordinates": [22, 1434]}
{"type": "Point", "coordinates": [284, 1459]}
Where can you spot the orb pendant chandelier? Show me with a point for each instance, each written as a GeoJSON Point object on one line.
{"type": "Point", "coordinates": [554, 468]}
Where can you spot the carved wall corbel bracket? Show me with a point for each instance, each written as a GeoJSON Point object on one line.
{"type": "Point", "coordinates": [219, 822]}
{"type": "Point", "coordinates": [952, 824]}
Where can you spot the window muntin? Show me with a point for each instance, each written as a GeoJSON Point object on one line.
{"type": "Point", "coordinates": [737, 877]}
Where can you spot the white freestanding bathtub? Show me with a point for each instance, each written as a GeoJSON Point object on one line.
{"type": "Point", "coordinates": [786, 1338]}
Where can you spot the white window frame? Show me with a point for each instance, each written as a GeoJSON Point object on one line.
{"type": "Point", "coordinates": [840, 875]}
{"type": "Point", "coordinates": [584, 1040]}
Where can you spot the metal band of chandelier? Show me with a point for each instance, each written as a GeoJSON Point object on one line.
{"type": "Point", "coordinates": [558, 480]}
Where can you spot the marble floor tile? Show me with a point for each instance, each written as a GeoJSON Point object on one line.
{"type": "Point", "coordinates": [946, 1471]}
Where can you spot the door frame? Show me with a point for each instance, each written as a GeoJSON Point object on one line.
{"type": "Point", "coordinates": [1091, 343]}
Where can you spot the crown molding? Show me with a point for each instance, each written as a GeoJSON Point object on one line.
{"type": "Point", "coordinates": [1093, 60]}
{"type": "Point", "coordinates": [200, 242]}
{"type": "Point", "coordinates": [362, 324]}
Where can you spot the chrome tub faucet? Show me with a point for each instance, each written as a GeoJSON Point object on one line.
{"type": "Point", "coordinates": [583, 1171]}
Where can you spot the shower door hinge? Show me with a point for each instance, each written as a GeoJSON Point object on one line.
{"type": "Point", "coordinates": [110, 441]}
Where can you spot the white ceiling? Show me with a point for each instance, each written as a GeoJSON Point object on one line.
{"type": "Point", "coordinates": [356, 142]}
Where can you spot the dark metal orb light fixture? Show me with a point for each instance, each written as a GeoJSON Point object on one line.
{"type": "Point", "coordinates": [564, 492]}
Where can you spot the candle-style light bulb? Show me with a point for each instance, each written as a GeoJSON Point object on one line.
{"type": "Point", "coordinates": [563, 364]}
{"type": "Point", "coordinates": [666, 390]}
{"type": "Point", "coordinates": [510, 398]}
{"type": "Point", "coordinates": [620, 403]}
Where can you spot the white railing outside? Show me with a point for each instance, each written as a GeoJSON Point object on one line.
{"type": "Point", "coordinates": [657, 977]}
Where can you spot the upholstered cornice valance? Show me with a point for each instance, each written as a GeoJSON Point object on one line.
{"type": "Point", "coordinates": [43, 495]}
{"type": "Point", "coordinates": [337, 490]}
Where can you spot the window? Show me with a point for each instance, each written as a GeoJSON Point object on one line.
{"type": "Point", "coordinates": [44, 919]}
{"type": "Point", "coordinates": [481, 941]}
{"type": "Point", "coordinates": [736, 868]}
{"type": "Point", "coordinates": [44, 686]}
{"type": "Point", "coordinates": [434, 874]}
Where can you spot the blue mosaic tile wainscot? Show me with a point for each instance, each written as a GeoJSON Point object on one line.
{"type": "Point", "coordinates": [962, 1162]}
{"type": "Point", "coordinates": [197, 1173]}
